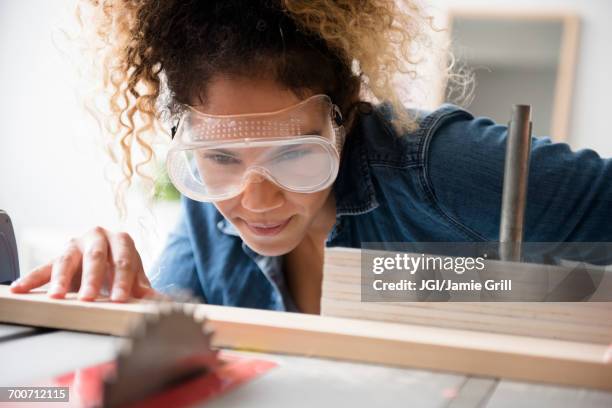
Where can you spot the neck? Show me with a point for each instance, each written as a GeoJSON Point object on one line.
{"type": "Point", "coordinates": [325, 220]}
{"type": "Point", "coordinates": [305, 262]}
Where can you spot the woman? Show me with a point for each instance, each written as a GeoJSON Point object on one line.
{"type": "Point", "coordinates": [278, 157]}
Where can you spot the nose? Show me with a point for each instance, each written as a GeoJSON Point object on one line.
{"type": "Point", "coordinates": [260, 194]}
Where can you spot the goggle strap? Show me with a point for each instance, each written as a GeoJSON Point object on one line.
{"type": "Point", "coordinates": [174, 129]}
{"type": "Point", "coordinates": [340, 136]}
{"type": "Point", "coordinates": [337, 115]}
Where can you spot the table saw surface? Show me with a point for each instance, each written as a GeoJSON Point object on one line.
{"type": "Point", "coordinates": [28, 354]}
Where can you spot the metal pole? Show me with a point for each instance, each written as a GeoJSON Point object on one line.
{"type": "Point", "coordinates": [516, 172]}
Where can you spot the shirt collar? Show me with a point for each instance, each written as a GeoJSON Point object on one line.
{"type": "Point", "coordinates": [227, 227]}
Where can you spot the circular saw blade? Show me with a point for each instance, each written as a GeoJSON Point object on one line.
{"type": "Point", "coordinates": [161, 350]}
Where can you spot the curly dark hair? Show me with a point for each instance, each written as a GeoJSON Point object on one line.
{"type": "Point", "coordinates": [156, 56]}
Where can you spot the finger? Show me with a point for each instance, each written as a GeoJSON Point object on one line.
{"type": "Point", "coordinates": [126, 265]}
{"type": "Point", "coordinates": [152, 294]}
{"type": "Point", "coordinates": [143, 289]}
{"type": "Point", "coordinates": [63, 270]}
{"type": "Point", "coordinates": [95, 264]}
{"type": "Point", "coordinates": [37, 277]}
{"type": "Point", "coordinates": [142, 286]}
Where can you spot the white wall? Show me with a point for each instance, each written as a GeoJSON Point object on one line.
{"type": "Point", "coordinates": [51, 169]}
{"type": "Point", "coordinates": [589, 125]}
{"type": "Point", "coordinates": [515, 85]}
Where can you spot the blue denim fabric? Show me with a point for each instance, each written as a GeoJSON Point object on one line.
{"type": "Point", "coordinates": [442, 182]}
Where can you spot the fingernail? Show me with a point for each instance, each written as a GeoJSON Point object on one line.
{"type": "Point", "coordinates": [88, 292]}
{"type": "Point", "coordinates": [119, 294]}
{"type": "Point", "coordinates": [608, 355]}
{"type": "Point", "coordinates": [55, 289]}
{"type": "Point", "coordinates": [16, 283]}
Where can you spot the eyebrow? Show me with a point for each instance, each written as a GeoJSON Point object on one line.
{"type": "Point", "coordinates": [223, 151]}
{"type": "Point", "coordinates": [285, 148]}
{"type": "Point", "coordinates": [288, 148]}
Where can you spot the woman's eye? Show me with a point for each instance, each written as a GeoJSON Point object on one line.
{"type": "Point", "coordinates": [292, 154]}
{"type": "Point", "coordinates": [221, 158]}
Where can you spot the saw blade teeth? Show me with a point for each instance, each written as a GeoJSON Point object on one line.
{"type": "Point", "coordinates": [125, 347]}
{"type": "Point", "coordinates": [127, 350]}
{"type": "Point", "coordinates": [163, 309]}
{"type": "Point", "coordinates": [140, 329]}
{"type": "Point", "coordinates": [154, 343]}
{"type": "Point", "coordinates": [150, 319]}
{"type": "Point", "coordinates": [189, 309]}
{"type": "Point", "coordinates": [123, 355]}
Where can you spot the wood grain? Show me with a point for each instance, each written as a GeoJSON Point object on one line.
{"type": "Point", "coordinates": [433, 348]}
{"type": "Point", "coordinates": [589, 322]}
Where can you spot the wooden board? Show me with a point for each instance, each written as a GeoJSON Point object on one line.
{"type": "Point", "coordinates": [462, 351]}
{"type": "Point", "coordinates": [341, 297]}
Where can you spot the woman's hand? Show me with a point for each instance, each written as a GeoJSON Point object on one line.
{"type": "Point", "coordinates": [97, 261]}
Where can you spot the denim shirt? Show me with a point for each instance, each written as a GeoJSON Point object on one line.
{"type": "Point", "coordinates": [442, 182]}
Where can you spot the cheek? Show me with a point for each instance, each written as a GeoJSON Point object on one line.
{"type": "Point", "coordinates": [307, 204]}
{"type": "Point", "coordinates": [227, 207]}
{"type": "Point", "coordinates": [295, 203]}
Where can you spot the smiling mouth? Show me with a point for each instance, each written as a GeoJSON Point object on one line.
{"type": "Point", "coordinates": [268, 228]}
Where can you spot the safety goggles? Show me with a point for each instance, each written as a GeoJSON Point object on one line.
{"type": "Point", "coordinates": [213, 158]}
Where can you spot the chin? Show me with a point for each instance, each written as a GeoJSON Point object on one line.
{"type": "Point", "coordinates": [277, 245]}
{"type": "Point", "coordinates": [269, 250]}
{"type": "Point", "coordinates": [274, 247]}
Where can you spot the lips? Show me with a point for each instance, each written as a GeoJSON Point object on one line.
{"type": "Point", "coordinates": [267, 228]}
